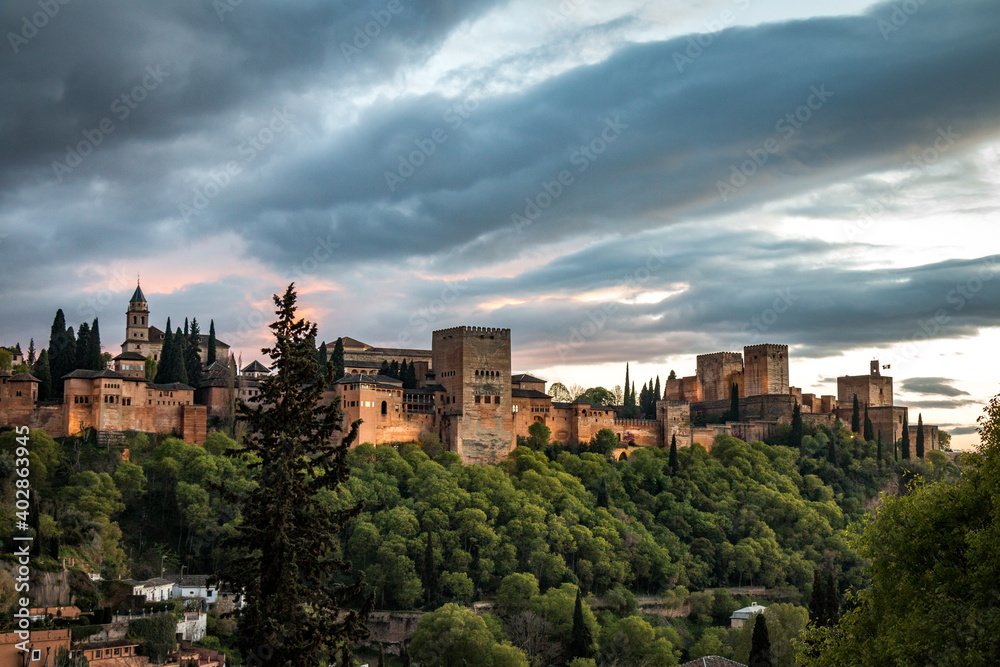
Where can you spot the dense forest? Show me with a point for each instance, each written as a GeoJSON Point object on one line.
{"type": "Point", "coordinates": [526, 534]}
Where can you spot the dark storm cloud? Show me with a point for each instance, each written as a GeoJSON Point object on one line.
{"type": "Point", "coordinates": [964, 430]}
{"type": "Point", "coordinates": [932, 385]}
{"type": "Point", "coordinates": [670, 134]}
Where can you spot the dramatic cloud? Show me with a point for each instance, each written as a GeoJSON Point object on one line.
{"type": "Point", "coordinates": [934, 386]}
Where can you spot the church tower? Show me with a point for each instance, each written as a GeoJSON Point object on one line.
{"type": "Point", "coordinates": [137, 324]}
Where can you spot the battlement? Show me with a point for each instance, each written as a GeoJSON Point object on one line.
{"type": "Point", "coordinates": [723, 356]}
{"type": "Point", "coordinates": [766, 347]}
{"type": "Point", "coordinates": [472, 331]}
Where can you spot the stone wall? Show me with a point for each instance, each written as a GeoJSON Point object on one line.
{"type": "Point", "coordinates": [765, 369]}
{"type": "Point", "coordinates": [872, 390]}
{"type": "Point", "coordinates": [717, 373]}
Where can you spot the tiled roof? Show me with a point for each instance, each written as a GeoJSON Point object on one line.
{"type": "Point", "coordinates": [173, 386]}
{"type": "Point", "coordinates": [255, 367]}
{"type": "Point", "coordinates": [137, 295]}
{"type": "Point", "coordinates": [89, 375]}
{"type": "Point", "coordinates": [24, 377]}
{"type": "Point", "coordinates": [130, 356]}
{"type": "Point", "coordinates": [524, 377]}
{"type": "Point", "coordinates": [528, 393]}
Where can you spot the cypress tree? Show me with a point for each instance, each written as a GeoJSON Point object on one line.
{"type": "Point", "coordinates": [185, 327]}
{"type": "Point", "coordinates": [905, 444]}
{"type": "Point", "coordinates": [410, 380]}
{"type": "Point", "coordinates": [337, 360]}
{"type": "Point", "coordinates": [629, 400]}
{"type": "Point", "coordinates": [920, 436]}
{"type": "Point", "coordinates": [856, 416]}
{"type": "Point", "coordinates": [178, 372]}
{"type": "Point", "coordinates": [31, 352]}
{"type": "Point", "coordinates": [672, 376]}
{"type": "Point", "coordinates": [211, 342]}
{"type": "Point", "coordinates": [817, 603]}
{"type": "Point", "coordinates": [55, 340]}
{"type": "Point", "coordinates": [430, 570]}
{"type": "Point", "coordinates": [831, 450]}
{"type": "Point", "coordinates": [83, 348]}
{"type": "Point", "coordinates": [832, 598]}
{"type": "Point", "coordinates": [869, 428]}
{"type": "Point", "coordinates": [657, 393]}
{"type": "Point", "coordinates": [581, 642]}
{"type": "Point", "coordinates": [879, 450]}
{"type": "Point", "coordinates": [643, 399]}
{"type": "Point", "coordinates": [94, 354]}
{"type": "Point", "coordinates": [69, 345]}
{"type": "Point", "coordinates": [384, 368]}
{"type": "Point", "coordinates": [394, 369]}
{"type": "Point", "coordinates": [291, 572]}
{"type": "Point", "coordinates": [192, 355]}
{"type": "Point", "coordinates": [42, 371]}
{"type": "Point", "coordinates": [760, 644]}
{"type": "Point", "coordinates": [166, 357]}
{"type": "Point", "coordinates": [795, 435]}
{"type": "Point", "coordinates": [734, 403]}
{"type": "Point", "coordinates": [322, 358]}
{"type": "Point", "coordinates": [635, 408]}
{"type": "Point", "coordinates": [673, 453]}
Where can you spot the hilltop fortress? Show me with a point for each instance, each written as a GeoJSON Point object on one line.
{"type": "Point", "coordinates": [465, 393]}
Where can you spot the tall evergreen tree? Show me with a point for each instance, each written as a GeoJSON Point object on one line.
{"type": "Point", "coordinates": [795, 435]}
{"type": "Point", "coordinates": [211, 342]}
{"type": "Point", "coordinates": [178, 372]}
{"type": "Point", "coordinates": [337, 359]}
{"type": "Point", "coordinates": [56, 350]}
{"type": "Point", "coordinates": [905, 440]}
{"type": "Point", "coordinates": [643, 398]}
{"type": "Point", "coordinates": [920, 436]}
{"type": "Point", "coordinates": [817, 603]}
{"type": "Point", "coordinates": [166, 357]}
{"type": "Point", "coordinates": [673, 453]}
{"type": "Point", "coordinates": [69, 357]}
{"type": "Point", "coordinates": [291, 572]}
{"type": "Point", "coordinates": [322, 359]}
{"type": "Point", "coordinates": [869, 427]}
{"type": "Point", "coordinates": [672, 376]}
{"type": "Point", "coordinates": [192, 355]}
{"type": "Point", "coordinates": [394, 369]}
{"type": "Point", "coordinates": [430, 578]}
{"type": "Point", "coordinates": [83, 347]}
{"type": "Point", "coordinates": [384, 368]}
{"type": "Point", "coordinates": [95, 357]}
{"type": "Point", "coordinates": [878, 450]}
{"type": "Point", "coordinates": [831, 450]}
{"type": "Point", "coordinates": [832, 597]}
{"type": "Point", "coordinates": [31, 352]}
{"type": "Point", "coordinates": [856, 416]}
{"type": "Point", "coordinates": [42, 371]}
{"type": "Point", "coordinates": [635, 408]}
{"type": "Point", "coordinates": [760, 644]}
{"type": "Point", "coordinates": [410, 380]}
{"type": "Point", "coordinates": [185, 327]}
{"type": "Point", "coordinates": [629, 407]}
{"type": "Point", "coordinates": [657, 393]}
{"type": "Point", "coordinates": [581, 641]}
{"type": "Point", "coordinates": [734, 403]}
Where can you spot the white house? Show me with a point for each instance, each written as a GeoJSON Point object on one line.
{"type": "Point", "coordinates": [741, 616]}
{"type": "Point", "coordinates": [154, 590]}
{"type": "Point", "coordinates": [194, 586]}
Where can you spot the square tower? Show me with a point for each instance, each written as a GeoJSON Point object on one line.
{"type": "Point", "coordinates": [765, 369]}
{"type": "Point", "coordinates": [473, 365]}
{"type": "Point", "coordinates": [717, 373]}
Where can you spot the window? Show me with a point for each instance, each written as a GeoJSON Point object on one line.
{"type": "Point", "coordinates": [478, 398]}
{"type": "Point", "coordinates": [36, 654]}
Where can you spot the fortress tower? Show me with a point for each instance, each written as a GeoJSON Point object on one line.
{"type": "Point", "coordinates": [137, 324]}
{"type": "Point", "coordinates": [765, 369]}
{"type": "Point", "coordinates": [717, 373]}
{"type": "Point", "coordinates": [473, 365]}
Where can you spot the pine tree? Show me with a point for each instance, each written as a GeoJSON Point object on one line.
{"type": "Point", "coordinates": [673, 453]}
{"type": "Point", "coordinates": [42, 371]}
{"type": "Point", "coordinates": [760, 644]}
{"type": "Point", "coordinates": [795, 435]}
{"type": "Point", "coordinates": [856, 416]}
{"type": "Point", "coordinates": [322, 358]}
{"type": "Point", "coordinates": [166, 360]}
{"type": "Point", "coordinates": [192, 355]}
{"type": "Point", "coordinates": [211, 342]}
{"type": "Point", "coordinates": [920, 436]}
{"type": "Point", "coordinates": [581, 641]}
{"type": "Point", "coordinates": [672, 376]}
{"type": "Point", "coordinates": [817, 603]}
{"type": "Point", "coordinates": [31, 352]}
{"type": "Point", "coordinates": [905, 442]}
{"type": "Point", "coordinates": [869, 427]}
{"type": "Point", "coordinates": [95, 358]}
{"type": "Point", "coordinates": [384, 368]}
{"type": "Point", "coordinates": [83, 347]}
{"type": "Point", "coordinates": [337, 360]}
{"type": "Point", "coordinates": [290, 573]}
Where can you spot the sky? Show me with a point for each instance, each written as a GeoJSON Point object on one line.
{"type": "Point", "coordinates": [616, 182]}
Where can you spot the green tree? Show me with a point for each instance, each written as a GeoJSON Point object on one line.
{"type": "Point", "coordinates": [581, 643]}
{"type": "Point", "coordinates": [166, 357]}
{"type": "Point", "coordinates": [817, 603]}
{"type": "Point", "coordinates": [869, 427]}
{"type": "Point", "coordinates": [337, 359]}
{"type": "Point", "coordinates": [95, 355]}
{"type": "Point", "coordinates": [31, 352]}
{"type": "Point", "coordinates": [538, 435]}
{"type": "Point", "coordinates": [856, 416]}
{"type": "Point", "coordinates": [760, 647]}
{"type": "Point", "coordinates": [515, 593]}
{"type": "Point", "coordinates": [934, 576]}
{"type": "Point", "coordinates": [597, 396]}
{"type": "Point", "coordinates": [795, 435]}
{"type": "Point", "coordinates": [920, 436]}
{"type": "Point", "coordinates": [192, 355]}
{"type": "Point", "coordinates": [178, 367]}
{"type": "Point", "coordinates": [212, 341]}
{"type": "Point", "coordinates": [734, 403]}
{"type": "Point", "coordinates": [42, 371]}
{"type": "Point", "coordinates": [290, 572]}
{"type": "Point", "coordinates": [904, 444]}
{"type": "Point", "coordinates": [673, 453]}
{"type": "Point", "coordinates": [629, 403]}
{"type": "Point", "coordinates": [454, 635]}
{"type": "Point", "coordinates": [83, 347]}
{"type": "Point", "coordinates": [878, 451]}
{"type": "Point", "coordinates": [151, 368]}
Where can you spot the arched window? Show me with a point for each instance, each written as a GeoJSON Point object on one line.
{"type": "Point", "coordinates": [134, 320]}
{"type": "Point", "coordinates": [623, 457]}
{"type": "Point", "coordinates": [385, 408]}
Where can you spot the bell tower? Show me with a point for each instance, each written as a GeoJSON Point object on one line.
{"type": "Point", "coordinates": [137, 323]}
